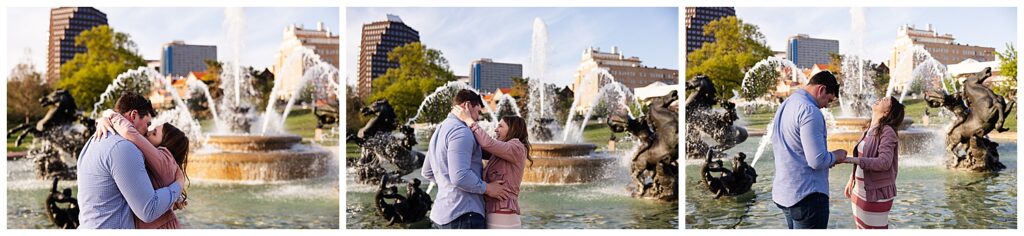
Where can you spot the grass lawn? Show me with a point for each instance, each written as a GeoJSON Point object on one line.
{"type": "Point", "coordinates": [300, 122]}
{"type": "Point", "coordinates": [24, 144]}
{"type": "Point", "coordinates": [914, 110]}
{"type": "Point", "coordinates": [351, 150]}
{"type": "Point", "coordinates": [598, 133]}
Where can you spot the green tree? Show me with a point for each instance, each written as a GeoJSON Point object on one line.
{"type": "Point", "coordinates": [212, 77]}
{"type": "Point", "coordinates": [1007, 68]}
{"type": "Point", "coordinates": [420, 71]}
{"type": "Point", "coordinates": [25, 87]}
{"type": "Point", "coordinates": [737, 47]}
{"type": "Point", "coordinates": [109, 53]}
{"type": "Point", "coordinates": [353, 104]}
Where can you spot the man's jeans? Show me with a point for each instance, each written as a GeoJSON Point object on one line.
{"type": "Point", "coordinates": [810, 213]}
{"type": "Point", "coordinates": [470, 220]}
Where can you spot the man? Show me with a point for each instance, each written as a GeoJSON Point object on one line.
{"type": "Point", "coordinates": [802, 160]}
{"type": "Point", "coordinates": [112, 182]}
{"type": "Point", "coordinates": [454, 163]}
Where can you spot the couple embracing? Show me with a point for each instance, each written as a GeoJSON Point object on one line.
{"type": "Point", "coordinates": [131, 176]}
{"type": "Point", "coordinates": [470, 195]}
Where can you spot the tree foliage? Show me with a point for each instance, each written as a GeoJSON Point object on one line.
{"type": "Point", "coordinates": [109, 53]}
{"type": "Point", "coordinates": [25, 87]}
{"type": "Point", "coordinates": [737, 47]}
{"type": "Point", "coordinates": [420, 71]}
{"type": "Point", "coordinates": [1007, 68]}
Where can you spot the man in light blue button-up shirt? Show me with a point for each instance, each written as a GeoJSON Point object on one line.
{"type": "Point", "coordinates": [802, 159]}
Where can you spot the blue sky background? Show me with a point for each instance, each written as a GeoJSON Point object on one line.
{"type": "Point", "coordinates": [990, 27]}
{"type": "Point", "coordinates": [504, 34]}
{"type": "Point", "coordinates": [150, 28]}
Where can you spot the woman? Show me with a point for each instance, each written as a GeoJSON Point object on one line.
{"type": "Point", "coordinates": [872, 185]}
{"type": "Point", "coordinates": [164, 149]}
{"type": "Point", "coordinates": [508, 156]}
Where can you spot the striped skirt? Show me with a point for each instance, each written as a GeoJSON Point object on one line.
{"type": "Point", "coordinates": [869, 215]}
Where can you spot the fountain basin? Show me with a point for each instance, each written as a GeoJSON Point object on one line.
{"type": "Point", "coordinates": [252, 142]}
{"type": "Point", "coordinates": [858, 123]}
{"type": "Point", "coordinates": [257, 158]}
{"type": "Point", "coordinates": [258, 166]}
{"type": "Point", "coordinates": [561, 149]}
{"type": "Point", "coordinates": [563, 163]}
{"type": "Point", "coordinates": [912, 141]}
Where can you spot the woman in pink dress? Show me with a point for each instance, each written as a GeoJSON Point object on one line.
{"type": "Point", "coordinates": [165, 151]}
{"type": "Point", "coordinates": [872, 185]}
{"type": "Point", "coordinates": [508, 155]}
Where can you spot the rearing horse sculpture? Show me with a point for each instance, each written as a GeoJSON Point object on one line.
{"type": "Point", "coordinates": [978, 112]}
{"type": "Point", "coordinates": [63, 111]}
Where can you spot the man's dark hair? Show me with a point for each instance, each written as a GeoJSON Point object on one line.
{"type": "Point", "coordinates": [132, 101]}
{"type": "Point", "coordinates": [827, 79]}
{"type": "Point", "coordinates": [467, 95]}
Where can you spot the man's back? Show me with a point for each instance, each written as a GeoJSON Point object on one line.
{"type": "Point", "coordinates": [454, 163]}
{"type": "Point", "coordinates": [113, 186]}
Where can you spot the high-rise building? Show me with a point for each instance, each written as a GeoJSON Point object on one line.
{"type": "Point", "coordinates": [321, 41]}
{"type": "Point", "coordinates": [626, 70]}
{"type": "Point", "coordinates": [378, 39]}
{"type": "Point", "coordinates": [942, 47]}
{"type": "Point", "coordinates": [66, 23]}
{"type": "Point", "coordinates": [696, 18]}
{"type": "Point", "coordinates": [487, 75]}
{"type": "Point", "coordinates": [805, 51]}
{"type": "Point", "coordinates": [180, 59]}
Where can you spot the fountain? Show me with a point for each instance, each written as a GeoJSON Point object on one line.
{"type": "Point", "coordinates": [931, 194]}
{"type": "Point", "coordinates": [249, 178]}
{"type": "Point", "coordinates": [567, 176]}
{"type": "Point", "coordinates": [240, 151]}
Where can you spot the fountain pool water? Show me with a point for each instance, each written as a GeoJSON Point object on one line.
{"type": "Point", "coordinates": [307, 203]}
{"type": "Point", "coordinates": [594, 205]}
{"type": "Point", "coordinates": [929, 196]}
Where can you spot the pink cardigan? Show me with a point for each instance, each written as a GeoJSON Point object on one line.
{"type": "Point", "coordinates": [507, 163]}
{"type": "Point", "coordinates": [160, 165]}
{"type": "Point", "coordinates": [880, 162]}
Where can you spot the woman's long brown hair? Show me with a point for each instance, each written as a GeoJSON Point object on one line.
{"type": "Point", "coordinates": [894, 118]}
{"type": "Point", "coordinates": [177, 142]}
{"type": "Point", "coordinates": [517, 130]}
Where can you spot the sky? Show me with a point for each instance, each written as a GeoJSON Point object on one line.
{"type": "Point", "coordinates": [990, 27]}
{"type": "Point", "coordinates": [504, 35]}
{"type": "Point", "coordinates": [151, 28]}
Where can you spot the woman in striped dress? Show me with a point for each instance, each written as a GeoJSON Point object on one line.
{"type": "Point", "coordinates": [872, 185]}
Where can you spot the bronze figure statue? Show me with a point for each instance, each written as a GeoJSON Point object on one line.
{"type": "Point", "coordinates": [62, 217]}
{"type": "Point", "coordinates": [406, 209]}
{"type": "Point", "coordinates": [978, 112]}
{"type": "Point", "coordinates": [655, 167]}
{"type": "Point", "coordinates": [382, 153]}
{"type": "Point", "coordinates": [704, 123]}
{"type": "Point", "coordinates": [58, 137]}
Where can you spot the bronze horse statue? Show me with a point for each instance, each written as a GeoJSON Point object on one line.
{"type": "Point", "coordinates": [63, 111]}
{"type": "Point", "coordinates": [978, 112]}
{"type": "Point", "coordinates": [385, 121]}
{"type": "Point", "coordinates": [657, 156]}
